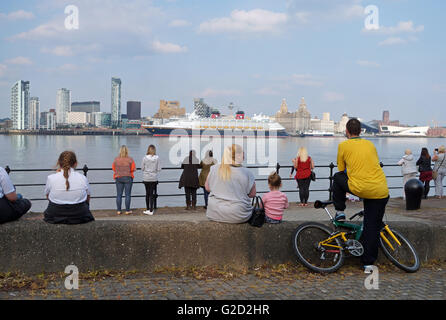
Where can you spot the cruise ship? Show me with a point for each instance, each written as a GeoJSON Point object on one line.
{"type": "Point", "coordinates": [257, 126]}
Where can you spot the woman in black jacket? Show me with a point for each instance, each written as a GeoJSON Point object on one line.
{"type": "Point", "coordinates": [424, 164]}
{"type": "Point", "coordinates": [189, 179]}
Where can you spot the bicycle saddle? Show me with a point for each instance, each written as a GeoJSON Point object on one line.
{"type": "Point", "coordinates": [321, 204]}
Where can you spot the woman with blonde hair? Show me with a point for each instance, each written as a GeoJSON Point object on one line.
{"type": "Point", "coordinates": [304, 165]}
{"type": "Point", "coordinates": [439, 171]}
{"type": "Point", "coordinates": [408, 168]}
{"type": "Point", "coordinates": [68, 193]}
{"type": "Point", "coordinates": [123, 168]}
{"type": "Point", "coordinates": [150, 167]}
{"type": "Point", "coordinates": [231, 188]}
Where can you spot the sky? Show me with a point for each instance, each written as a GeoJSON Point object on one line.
{"type": "Point", "coordinates": [251, 53]}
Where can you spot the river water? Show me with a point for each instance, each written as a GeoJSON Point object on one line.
{"type": "Point", "coordinates": [41, 152]}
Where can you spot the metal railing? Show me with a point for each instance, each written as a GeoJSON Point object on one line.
{"type": "Point", "coordinates": [85, 169]}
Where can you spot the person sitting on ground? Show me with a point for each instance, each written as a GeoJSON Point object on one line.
{"type": "Point", "coordinates": [12, 204]}
{"type": "Point", "coordinates": [440, 170]}
{"type": "Point", "coordinates": [231, 188]}
{"type": "Point", "coordinates": [408, 168]}
{"type": "Point", "coordinates": [366, 179]}
{"type": "Point", "coordinates": [424, 164]}
{"type": "Point", "coordinates": [274, 201]}
{"type": "Point", "coordinates": [68, 193]}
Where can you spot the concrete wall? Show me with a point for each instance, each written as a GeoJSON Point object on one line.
{"type": "Point", "coordinates": [35, 246]}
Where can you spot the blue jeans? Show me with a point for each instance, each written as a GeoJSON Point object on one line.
{"type": "Point", "coordinates": [206, 196]}
{"type": "Point", "coordinates": [123, 183]}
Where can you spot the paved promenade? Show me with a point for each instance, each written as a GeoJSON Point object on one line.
{"type": "Point", "coordinates": [283, 282]}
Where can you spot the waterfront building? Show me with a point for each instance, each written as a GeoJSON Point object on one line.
{"type": "Point", "coordinates": [169, 109]}
{"type": "Point", "coordinates": [437, 132]}
{"type": "Point", "coordinates": [116, 102]}
{"type": "Point", "coordinates": [100, 119]}
{"type": "Point", "coordinates": [294, 122]}
{"type": "Point", "coordinates": [63, 106]}
{"type": "Point", "coordinates": [20, 105]}
{"type": "Point", "coordinates": [48, 120]}
{"type": "Point", "coordinates": [34, 113]}
{"type": "Point", "coordinates": [87, 106]}
{"type": "Point", "coordinates": [134, 110]}
{"type": "Point", "coordinates": [342, 124]}
{"type": "Point", "coordinates": [77, 118]}
{"type": "Point", "coordinates": [202, 109]}
{"type": "Point", "coordinates": [324, 124]}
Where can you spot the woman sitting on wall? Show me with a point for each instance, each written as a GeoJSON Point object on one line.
{"type": "Point", "coordinates": [68, 193]}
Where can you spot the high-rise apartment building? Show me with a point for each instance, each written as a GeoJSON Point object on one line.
{"type": "Point", "coordinates": [116, 102]}
{"type": "Point", "coordinates": [34, 113]}
{"type": "Point", "coordinates": [63, 105]}
{"type": "Point", "coordinates": [20, 105]}
{"type": "Point", "coordinates": [201, 108]}
{"type": "Point", "coordinates": [87, 106]}
{"type": "Point", "coordinates": [133, 110]}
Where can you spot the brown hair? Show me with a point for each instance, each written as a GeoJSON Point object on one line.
{"type": "Point", "coordinates": [67, 160]}
{"type": "Point", "coordinates": [151, 150]}
{"type": "Point", "coordinates": [274, 180]}
{"type": "Point", "coordinates": [354, 127]}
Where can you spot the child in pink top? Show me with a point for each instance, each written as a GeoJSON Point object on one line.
{"type": "Point", "coordinates": [274, 201]}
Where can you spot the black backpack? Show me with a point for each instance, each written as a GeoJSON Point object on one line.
{"type": "Point", "coordinates": [258, 213]}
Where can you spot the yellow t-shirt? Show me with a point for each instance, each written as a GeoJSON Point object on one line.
{"type": "Point", "coordinates": [366, 178]}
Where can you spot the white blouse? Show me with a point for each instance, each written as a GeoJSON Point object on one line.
{"type": "Point", "coordinates": [57, 192]}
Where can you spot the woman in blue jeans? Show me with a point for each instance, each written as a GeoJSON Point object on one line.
{"type": "Point", "coordinates": [123, 168]}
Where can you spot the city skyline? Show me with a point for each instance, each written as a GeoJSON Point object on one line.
{"type": "Point", "coordinates": [219, 51]}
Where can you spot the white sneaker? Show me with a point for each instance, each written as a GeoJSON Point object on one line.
{"type": "Point", "coordinates": [148, 212]}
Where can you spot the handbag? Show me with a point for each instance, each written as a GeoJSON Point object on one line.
{"type": "Point", "coordinates": [313, 176]}
{"type": "Point", "coordinates": [258, 213]}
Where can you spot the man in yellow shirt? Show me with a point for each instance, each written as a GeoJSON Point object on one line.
{"type": "Point", "coordinates": [360, 173]}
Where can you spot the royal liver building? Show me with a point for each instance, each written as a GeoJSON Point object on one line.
{"type": "Point", "coordinates": [294, 122]}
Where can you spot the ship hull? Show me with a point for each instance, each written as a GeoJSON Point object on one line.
{"type": "Point", "coordinates": [166, 132]}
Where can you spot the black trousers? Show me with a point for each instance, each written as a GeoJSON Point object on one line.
{"type": "Point", "coordinates": [151, 194]}
{"type": "Point", "coordinates": [304, 189]}
{"type": "Point", "coordinates": [13, 211]}
{"type": "Point", "coordinates": [191, 194]}
{"type": "Point", "coordinates": [374, 210]}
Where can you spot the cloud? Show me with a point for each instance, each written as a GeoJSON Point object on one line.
{"type": "Point", "coordinates": [331, 96]}
{"type": "Point", "coordinates": [2, 70]}
{"type": "Point", "coordinates": [19, 61]}
{"type": "Point", "coordinates": [212, 93]}
{"type": "Point", "coordinates": [253, 21]}
{"type": "Point", "coordinates": [367, 63]}
{"type": "Point", "coordinates": [392, 41]}
{"type": "Point", "coordinates": [17, 15]}
{"type": "Point", "coordinates": [70, 50]}
{"type": "Point", "coordinates": [401, 27]}
{"type": "Point", "coordinates": [167, 47]}
{"type": "Point", "coordinates": [266, 91]}
{"type": "Point", "coordinates": [306, 80]}
{"type": "Point", "coordinates": [47, 30]}
{"type": "Point", "coordinates": [179, 23]}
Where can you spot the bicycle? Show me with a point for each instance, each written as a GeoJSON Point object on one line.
{"type": "Point", "coordinates": [323, 250]}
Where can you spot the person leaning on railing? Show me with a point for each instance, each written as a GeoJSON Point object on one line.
{"type": "Point", "coordinates": [68, 193]}
{"type": "Point", "coordinates": [123, 168]}
{"type": "Point", "coordinates": [12, 205]}
{"type": "Point", "coordinates": [424, 164]}
{"type": "Point", "coordinates": [366, 179]}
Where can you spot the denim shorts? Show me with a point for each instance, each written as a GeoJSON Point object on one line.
{"type": "Point", "coordinates": [272, 221]}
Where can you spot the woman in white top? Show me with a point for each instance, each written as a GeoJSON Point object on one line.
{"type": "Point", "coordinates": [440, 168]}
{"type": "Point", "coordinates": [68, 193]}
{"type": "Point", "coordinates": [408, 168]}
{"type": "Point", "coordinates": [150, 167]}
{"type": "Point", "coordinates": [231, 188]}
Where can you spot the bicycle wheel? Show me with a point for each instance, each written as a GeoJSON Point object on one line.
{"type": "Point", "coordinates": [306, 244]}
{"type": "Point", "coordinates": [403, 256]}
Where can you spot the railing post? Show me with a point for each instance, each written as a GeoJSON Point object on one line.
{"type": "Point", "coordinates": [7, 169]}
{"type": "Point", "coordinates": [277, 167]}
{"type": "Point", "coordinates": [330, 190]}
{"type": "Point", "coordinates": [381, 164]}
{"type": "Point", "coordinates": [85, 170]}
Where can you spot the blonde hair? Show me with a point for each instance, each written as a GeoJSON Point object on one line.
{"type": "Point", "coordinates": [408, 151]}
{"type": "Point", "coordinates": [123, 152]}
{"type": "Point", "coordinates": [442, 149]}
{"type": "Point", "coordinates": [302, 154]}
{"type": "Point", "coordinates": [232, 156]}
{"type": "Point", "coordinates": [151, 150]}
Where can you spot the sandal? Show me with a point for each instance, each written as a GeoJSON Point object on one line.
{"type": "Point", "coordinates": [128, 212]}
